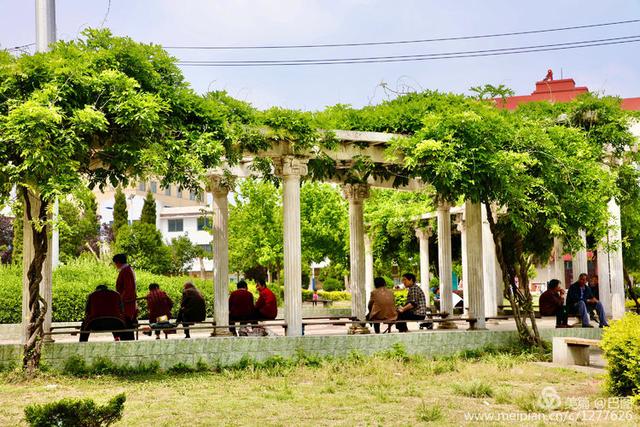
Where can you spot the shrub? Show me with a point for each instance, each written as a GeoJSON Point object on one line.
{"type": "Point", "coordinates": [428, 413]}
{"type": "Point", "coordinates": [400, 297]}
{"type": "Point", "coordinates": [75, 413]}
{"type": "Point", "coordinates": [307, 295]}
{"type": "Point", "coordinates": [331, 284]}
{"type": "Point", "coordinates": [621, 346]}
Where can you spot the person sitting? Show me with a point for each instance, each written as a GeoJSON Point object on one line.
{"type": "Point", "coordinates": [104, 311]}
{"type": "Point", "coordinates": [578, 297]}
{"type": "Point", "coordinates": [159, 305]}
{"type": "Point", "coordinates": [192, 308]}
{"type": "Point", "coordinates": [595, 290]}
{"type": "Point", "coordinates": [416, 305]}
{"type": "Point", "coordinates": [382, 304]}
{"type": "Point", "coordinates": [267, 305]}
{"type": "Point", "coordinates": [240, 306]}
{"type": "Point", "coordinates": [552, 303]}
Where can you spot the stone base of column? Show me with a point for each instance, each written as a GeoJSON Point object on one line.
{"type": "Point", "coordinates": [358, 329]}
{"type": "Point", "coordinates": [222, 332]}
{"type": "Point", "coordinates": [447, 324]}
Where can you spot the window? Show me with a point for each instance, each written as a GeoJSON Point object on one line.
{"type": "Point", "coordinates": [142, 186]}
{"type": "Point", "coordinates": [167, 191]}
{"type": "Point", "coordinates": [179, 192]}
{"type": "Point", "coordinates": [175, 225]}
{"type": "Point", "coordinates": [206, 248]}
{"type": "Point", "coordinates": [154, 187]}
{"type": "Point", "coordinates": [204, 223]}
{"type": "Point", "coordinates": [192, 195]}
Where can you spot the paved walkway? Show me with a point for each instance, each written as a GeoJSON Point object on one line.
{"type": "Point", "coordinates": [9, 336]}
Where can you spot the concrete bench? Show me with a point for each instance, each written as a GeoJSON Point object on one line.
{"type": "Point", "coordinates": [572, 351]}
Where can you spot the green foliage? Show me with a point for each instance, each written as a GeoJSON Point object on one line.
{"type": "Point", "coordinates": [621, 346]}
{"type": "Point", "coordinates": [120, 213]}
{"type": "Point", "coordinates": [389, 215]}
{"type": "Point", "coordinates": [148, 215]}
{"type": "Point", "coordinates": [307, 295]}
{"type": "Point", "coordinates": [79, 226]}
{"type": "Point", "coordinates": [75, 413]}
{"type": "Point", "coordinates": [330, 284]}
{"type": "Point", "coordinates": [400, 297]}
{"type": "Point", "coordinates": [144, 247]}
{"type": "Point", "coordinates": [76, 366]}
{"type": "Point", "coordinates": [182, 254]}
{"type": "Point", "coordinates": [475, 388]}
{"type": "Point", "coordinates": [428, 413]}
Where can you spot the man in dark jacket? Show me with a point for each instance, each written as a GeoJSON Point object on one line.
{"type": "Point", "coordinates": [240, 305]}
{"type": "Point", "coordinates": [578, 297]}
{"type": "Point", "coordinates": [267, 305]}
{"type": "Point", "coordinates": [552, 303]}
{"type": "Point", "coordinates": [192, 308]}
{"type": "Point", "coordinates": [104, 311]}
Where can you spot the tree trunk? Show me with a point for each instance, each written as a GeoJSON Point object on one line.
{"type": "Point", "coordinates": [519, 296]}
{"type": "Point", "coordinates": [37, 304]}
{"type": "Point", "coordinates": [632, 292]}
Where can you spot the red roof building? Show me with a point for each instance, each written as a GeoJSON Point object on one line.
{"type": "Point", "coordinates": [562, 90]}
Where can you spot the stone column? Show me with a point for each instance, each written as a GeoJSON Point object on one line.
{"type": "Point", "coordinates": [368, 267]}
{"type": "Point", "coordinates": [423, 235]}
{"type": "Point", "coordinates": [220, 187]}
{"type": "Point", "coordinates": [474, 288]}
{"type": "Point", "coordinates": [558, 261]}
{"type": "Point", "coordinates": [356, 195]}
{"type": "Point", "coordinates": [610, 268]}
{"type": "Point", "coordinates": [291, 168]}
{"type": "Point", "coordinates": [444, 262]}
{"type": "Point", "coordinates": [462, 229]}
{"type": "Point", "coordinates": [492, 297]}
{"type": "Point", "coordinates": [579, 259]}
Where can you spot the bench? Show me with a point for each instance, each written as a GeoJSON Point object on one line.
{"type": "Point", "coordinates": [572, 350]}
{"type": "Point", "coordinates": [354, 321]}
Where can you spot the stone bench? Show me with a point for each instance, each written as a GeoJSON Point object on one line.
{"type": "Point", "coordinates": [572, 351]}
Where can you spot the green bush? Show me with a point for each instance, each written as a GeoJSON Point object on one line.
{"type": "Point", "coordinates": [72, 283]}
{"type": "Point", "coordinates": [307, 295]}
{"type": "Point", "coordinates": [75, 413]}
{"type": "Point", "coordinates": [331, 284]}
{"type": "Point", "coordinates": [400, 297]}
{"type": "Point", "coordinates": [621, 346]}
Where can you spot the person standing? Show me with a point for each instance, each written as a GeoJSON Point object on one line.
{"type": "Point", "coordinates": [192, 308]}
{"type": "Point", "coordinates": [416, 305]}
{"type": "Point", "coordinates": [126, 287]}
{"type": "Point", "coordinates": [552, 303]}
{"type": "Point", "coordinates": [240, 306]}
{"type": "Point", "coordinates": [267, 305]}
{"type": "Point", "coordinates": [382, 304]}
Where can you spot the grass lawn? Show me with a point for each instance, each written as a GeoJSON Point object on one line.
{"type": "Point", "coordinates": [385, 390]}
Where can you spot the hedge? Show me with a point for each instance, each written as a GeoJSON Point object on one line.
{"type": "Point", "coordinates": [74, 281]}
{"type": "Point", "coordinates": [621, 346]}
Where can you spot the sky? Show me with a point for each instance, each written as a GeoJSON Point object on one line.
{"type": "Point", "coordinates": [612, 70]}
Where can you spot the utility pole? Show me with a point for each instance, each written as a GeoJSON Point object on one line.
{"type": "Point", "coordinates": [45, 36]}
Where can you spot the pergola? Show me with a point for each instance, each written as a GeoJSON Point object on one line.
{"type": "Point", "coordinates": [481, 273]}
{"type": "Point", "coordinates": [291, 167]}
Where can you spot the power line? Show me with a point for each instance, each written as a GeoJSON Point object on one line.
{"type": "Point", "coordinates": [22, 47]}
{"type": "Point", "coordinates": [419, 57]}
{"type": "Point", "coordinates": [397, 42]}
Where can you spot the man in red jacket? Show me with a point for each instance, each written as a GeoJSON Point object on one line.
{"type": "Point", "coordinates": [240, 306]}
{"type": "Point", "coordinates": [267, 305]}
{"type": "Point", "coordinates": [126, 287]}
{"type": "Point", "coordinates": [159, 304]}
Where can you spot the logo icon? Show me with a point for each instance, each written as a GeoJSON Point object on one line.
{"type": "Point", "coordinates": [549, 399]}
